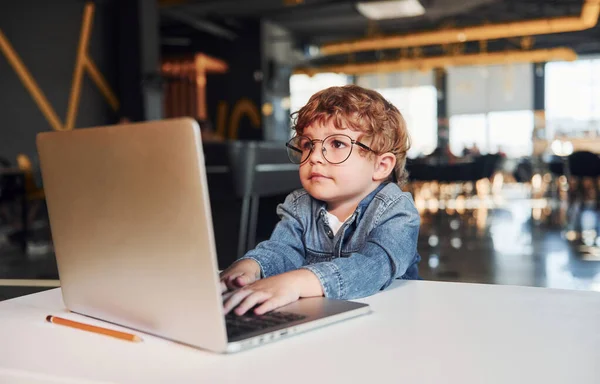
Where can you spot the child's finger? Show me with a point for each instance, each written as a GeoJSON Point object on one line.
{"type": "Point", "coordinates": [251, 301]}
{"type": "Point", "coordinates": [271, 304]}
{"type": "Point", "coordinates": [242, 280]}
{"type": "Point", "coordinates": [230, 280]}
{"type": "Point", "coordinates": [226, 295]}
{"type": "Point", "coordinates": [235, 299]}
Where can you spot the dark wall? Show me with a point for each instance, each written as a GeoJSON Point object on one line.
{"type": "Point", "coordinates": [138, 51]}
{"type": "Point", "coordinates": [244, 78]}
{"type": "Point", "coordinates": [45, 34]}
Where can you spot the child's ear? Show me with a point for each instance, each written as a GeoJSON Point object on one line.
{"type": "Point", "coordinates": [384, 165]}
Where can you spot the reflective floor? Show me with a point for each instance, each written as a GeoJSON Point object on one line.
{"type": "Point", "coordinates": [512, 237]}
{"type": "Point", "coordinates": [518, 235]}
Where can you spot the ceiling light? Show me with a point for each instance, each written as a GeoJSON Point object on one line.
{"type": "Point", "coordinates": [391, 9]}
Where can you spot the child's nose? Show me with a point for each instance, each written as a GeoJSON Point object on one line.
{"type": "Point", "coordinates": [316, 156]}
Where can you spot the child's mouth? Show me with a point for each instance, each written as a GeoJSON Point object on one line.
{"type": "Point", "coordinates": [317, 176]}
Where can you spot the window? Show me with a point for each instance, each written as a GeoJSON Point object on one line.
{"type": "Point", "coordinates": [507, 132]}
{"type": "Point", "coordinates": [511, 133]}
{"type": "Point", "coordinates": [466, 131]}
{"type": "Point", "coordinates": [573, 98]}
{"type": "Point", "coordinates": [418, 105]}
{"type": "Point", "coordinates": [302, 87]}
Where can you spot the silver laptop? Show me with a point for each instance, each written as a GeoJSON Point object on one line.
{"type": "Point", "coordinates": [132, 228]}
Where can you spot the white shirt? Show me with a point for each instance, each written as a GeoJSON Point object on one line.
{"type": "Point", "coordinates": [334, 223]}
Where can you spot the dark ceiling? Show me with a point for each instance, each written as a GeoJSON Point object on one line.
{"type": "Point", "coordinates": [314, 22]}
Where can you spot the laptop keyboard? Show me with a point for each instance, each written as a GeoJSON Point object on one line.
{"type": "Point", "coordinates": [240, 325]}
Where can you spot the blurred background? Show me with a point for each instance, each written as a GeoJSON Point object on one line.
{"type": "Point", "coordinates": [501, 97]}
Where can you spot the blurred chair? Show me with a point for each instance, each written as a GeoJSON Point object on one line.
{"type": "Point", "coordinates": [523, 172]}
{"type": "Point", "coordinates": [268, 172]}
{"type": "Point", "coordinates": [582, 165]}
{"type": "Point", "coordinates": [556, 166]}
{"type": "Point", "coordinates": [491, 163]}
{"type": "Point", "coordinates": [225, 203]}
{"type": "Point", "coordinates": [239, 174]}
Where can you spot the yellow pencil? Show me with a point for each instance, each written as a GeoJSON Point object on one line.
{"type": "Point", "coordinates": [93, 328]}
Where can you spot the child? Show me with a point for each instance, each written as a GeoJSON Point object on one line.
{"type": "Point", "coordinates": [351, 231]}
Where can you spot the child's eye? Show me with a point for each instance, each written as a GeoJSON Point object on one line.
{"type": "Point", "coordinates": [305, 145]}
{"type": "Point", "coordinates": [337, 144]}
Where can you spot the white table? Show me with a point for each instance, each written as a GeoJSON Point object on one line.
{"type": "Point", "coordinates": [419, 332]}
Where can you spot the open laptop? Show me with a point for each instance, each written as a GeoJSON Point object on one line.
{"type": "Point", "coordinates": [132, 229]}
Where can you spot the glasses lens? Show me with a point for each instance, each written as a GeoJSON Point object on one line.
{"type": "Point", "coordinates": [337, 148]}
{"type": "Point", "coordinates": [298, 149]}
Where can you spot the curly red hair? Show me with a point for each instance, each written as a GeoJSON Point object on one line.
{"type": "Point", "coordinates": [361, 110]}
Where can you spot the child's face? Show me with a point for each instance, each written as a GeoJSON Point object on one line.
{"type": "Point", "coordinates": [336, 184]}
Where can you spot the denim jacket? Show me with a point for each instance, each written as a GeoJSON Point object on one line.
{"type": "Point", "coordinates": [376, 245]}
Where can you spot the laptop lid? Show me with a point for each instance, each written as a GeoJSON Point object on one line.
{"type": "Point", "coordinates": [131, 223]}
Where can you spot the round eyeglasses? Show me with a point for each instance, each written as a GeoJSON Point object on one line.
{"type": "Point", "coordinates": [335, 148]}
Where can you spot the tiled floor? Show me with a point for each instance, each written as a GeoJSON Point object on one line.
{"type": "Point", "coordinates": [515, 240]}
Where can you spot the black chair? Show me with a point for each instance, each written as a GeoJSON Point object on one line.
{"type": "Point", "coordinates": [225, 203]}
{"type": "Point", "coordinates": [523, 171]}
{"type": "Point", "coordinates": [490, 164]}
{"type": "Point", "coordinates": [240, 174]}
{"type": "Point", "coordinates": [584, 164]}
{"type": "Point", "coordinates": [556, 165]}
{"type": "Point", "coordinates": [581, 165]}
{"type": "Point", "coordinates": [469, 172]}
{"type": "Point", "coordinates": [267, 172]}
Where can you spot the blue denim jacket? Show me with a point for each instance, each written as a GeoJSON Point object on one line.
{"type": "Point", "coordinates": [376, 245]}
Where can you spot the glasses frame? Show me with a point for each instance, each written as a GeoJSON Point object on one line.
{"type": "Point", "coordinates": [323, 150]}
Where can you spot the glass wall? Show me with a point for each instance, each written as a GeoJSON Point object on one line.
{"type": "Point", "coordinates": [418, 105]}
{"type": "Point", "coordinates": [491, 107]}
{"type": "Point", "coordinates": [573, 98]}
{"type": "Point", "coordinates": [302, 87]}
{"type": "Point", "coordinates": [467, 131]}
{"type": "Point", "coordinates": [507, 132]}
{"type": "Point", "coordinates": [415, 96]}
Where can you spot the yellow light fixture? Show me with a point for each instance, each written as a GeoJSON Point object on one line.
{"type": "Point", "coordinates": [587, 19]}
{"type": "Point", "coordinates": [428, 63]}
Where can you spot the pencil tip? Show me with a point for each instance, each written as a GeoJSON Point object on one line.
{"type": "Point", "coordinates": [137, 338]}
{"type": "Point", "coordinates": [49, 318]}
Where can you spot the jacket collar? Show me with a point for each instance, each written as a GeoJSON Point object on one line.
{"type": "Point", "coordinates": [364, 203]}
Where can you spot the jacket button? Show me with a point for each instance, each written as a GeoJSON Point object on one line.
{"type": "Point", "coordinates": [330, 233]}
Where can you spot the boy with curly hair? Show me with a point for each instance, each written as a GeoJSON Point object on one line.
{"type": "Point", "coordinates": [351, 230]}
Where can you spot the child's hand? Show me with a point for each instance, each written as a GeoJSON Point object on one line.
{"type": "Point", "coordinates": [239, 274]}
{"type": "Point", "coordinates": [273, 292]}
